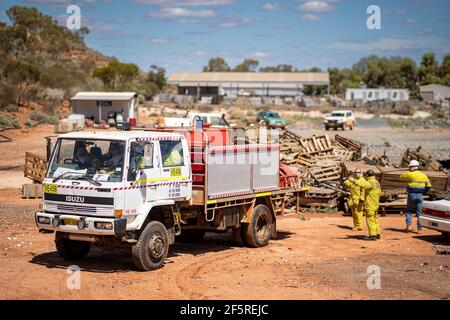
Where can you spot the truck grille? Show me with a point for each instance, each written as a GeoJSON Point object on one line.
{"type": "Point", "coordinates": [76, 209]}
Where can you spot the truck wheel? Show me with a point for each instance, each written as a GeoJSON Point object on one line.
{"type": "Point", "coordinates": [257, 232]}
{"type": "Point", "coordinates": [446, 235]}
{"type": "Point", "coordinates": [191, 236]}
{"type": "Point", "coordinates": [70, 249]}
{"type": "Point", "coordinates": [327, 128]}
{"type": "Point", "coordinates": [150, 252]}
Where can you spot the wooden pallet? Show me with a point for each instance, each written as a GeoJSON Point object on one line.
{"type": "Point", "coordinates": [32, 191]}
{"type": "Point", "coordinates": [35, 167]}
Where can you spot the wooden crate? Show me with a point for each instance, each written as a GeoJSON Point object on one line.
{"type": "Point", "coordinates": [32, 191]}
{"type": "Point", "coordinates": [390, 179]}
{"type": "Point", "coordinates": [35, 167]}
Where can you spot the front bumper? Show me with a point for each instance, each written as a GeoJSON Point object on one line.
{"type": "Point", "coordinates": [442, 225]}
{"type": "Point", "coordinates": [276, 125]}
{"type": "Point", "coordinates": [334, 124]}
{"type": "Point", "coordinates": [119, 225]}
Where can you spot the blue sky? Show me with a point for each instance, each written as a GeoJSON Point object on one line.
{"type": "Point", "coordinates": [182, 35]}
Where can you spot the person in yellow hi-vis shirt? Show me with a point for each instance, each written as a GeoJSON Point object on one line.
{"type": "Point", "coordinates": [372, 190]}
{"type": "Point", "coordinates": [356, 198]}
{"type": "Point", "coordinates": [417, 184]}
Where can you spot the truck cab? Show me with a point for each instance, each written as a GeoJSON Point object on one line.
{"type": "Point", "coordinates": [340, 119]}
{"type": "Point", "coordinates": [100, 187]}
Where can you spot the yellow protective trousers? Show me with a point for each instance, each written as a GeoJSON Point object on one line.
{"type": "Point", "coordinates": [373, 223]}
{"type": "Point", "coordinates": [357, 214]}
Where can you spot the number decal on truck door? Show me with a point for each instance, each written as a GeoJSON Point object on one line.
{"type": "Point", "coordinates": [175, 172]}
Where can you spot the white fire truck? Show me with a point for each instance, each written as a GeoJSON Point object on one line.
{"type": "Point", "coordinates": [142, 189]}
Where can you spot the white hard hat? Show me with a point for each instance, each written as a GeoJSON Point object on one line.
{"type": "Point", "coordinates": [414, 163]}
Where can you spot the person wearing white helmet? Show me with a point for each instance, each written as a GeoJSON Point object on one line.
{"type": "Point", "coordinates": [417, 184]}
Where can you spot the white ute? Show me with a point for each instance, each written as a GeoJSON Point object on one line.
{"type": "Point", "coordinates": [140, 189]}
{"type": "Point", "coordinates": [436, 215]}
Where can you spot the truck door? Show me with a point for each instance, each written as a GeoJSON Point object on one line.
{"type": "Point", "coordinates": [144, 171]}
{"type": "Point", "coordinates": [175, 170]}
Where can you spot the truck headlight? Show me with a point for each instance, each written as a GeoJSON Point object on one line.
{"type": "Point", "coordinates": [44, 220]}
{"type": "Point", "coordinates": [56, 222]}
{"type": "Point", "coordinates": [81, 224]}
{"type": "Point", "coordinates": [103, 225]}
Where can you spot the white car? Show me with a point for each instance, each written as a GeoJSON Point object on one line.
{"type": "Point", "coordinates": [340, 119]}
{"type": "Point", "coordinates": [436, 215]}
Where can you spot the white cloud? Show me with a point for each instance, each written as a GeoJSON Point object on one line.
{"type": "Point", "coordinates": [177, 12]}
{"type": "Point", "coordinates": [228, 24]}
{"type": "Point", "coordinates": [316, 7]}
{"type": "Point", "coordinates": [270, 6]}
{"type": "Point", "coordinates": [411, 21]}
{"type": "Point", "coordinates": [310, 17]}
{"type": "Point", "coordinates": [235, 22]}
{"type": "Point", "coordinates": [160, 40]}
{"type": "Point", "coordinates": [261, 54]}
{"type": "Point", "coordinates": [425, 32]}
{"type": "Point", "coordinates": [185, 3]}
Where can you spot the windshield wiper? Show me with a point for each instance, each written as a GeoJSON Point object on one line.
{"type": "Point", "coordinates": [62, 175]}
{"type": "Point", "coordinates": [94, 182]}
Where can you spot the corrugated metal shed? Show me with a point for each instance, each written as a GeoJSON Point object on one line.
{"type": "Point", "coordinates": [275, 79]}
{"type": "Point", "coordinates": [435, 92]}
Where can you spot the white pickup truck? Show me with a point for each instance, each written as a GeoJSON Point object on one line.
{"type": "Point", "coordinates": [140, 189]}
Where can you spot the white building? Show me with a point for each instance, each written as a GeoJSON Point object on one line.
{"type": "Point", "coordinates": [366, 94]}
{"type": "Point", "coordinates": [98, 105]}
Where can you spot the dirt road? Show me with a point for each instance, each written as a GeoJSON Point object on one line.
{"type": "Point", "coordinates": [320, 258]}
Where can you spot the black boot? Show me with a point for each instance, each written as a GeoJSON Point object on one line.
{"type": "Point", "coordinates": [372, 238]}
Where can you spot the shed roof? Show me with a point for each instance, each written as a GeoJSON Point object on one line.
{"type": "Point", "coordinates": [250, 77]}
{"type": "Point", "coordinates": [104, 96]}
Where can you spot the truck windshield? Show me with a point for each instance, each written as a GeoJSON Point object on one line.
{"type": "Point", "coordinates": [101, 160]}
{"type": "Point", "coordinates": [338, 114]}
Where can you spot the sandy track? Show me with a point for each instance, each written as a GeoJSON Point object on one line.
{"type": "Point", "coordinates": [320, 258]}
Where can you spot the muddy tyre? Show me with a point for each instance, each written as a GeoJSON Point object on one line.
{"type": "Point", "coordinates": [70, 249]}
{"type": "Point", "coordinates": [191, 236]}
{"type": "Point", "coordinates": [150, 252]}
{"type": "Point", "coordinates": [258, 231]}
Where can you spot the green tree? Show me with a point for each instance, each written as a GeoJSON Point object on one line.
{"type": "Point", "coordinates": [157, 75]}
{"type": "Point", "coordinates": [117, 75]}
{"type": "Point", "coordinates": [248, 65]}
{"type": "Point", "coordinates": [278, 68]}
{"type": "Point", "coordinates": [23, 75]}
{"type": "Point", "coordinates": [429, 69]}
{"type": "Point", "coordinates": [217, 64]}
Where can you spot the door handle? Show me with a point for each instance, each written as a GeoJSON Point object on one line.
{"type": "Point", "coordinates": [153, 187]}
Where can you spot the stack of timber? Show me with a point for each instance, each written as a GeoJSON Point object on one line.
{"type": "Point", "coordinates": [425, 159]}
{"type": "Point", "coordinates": [35, 169]}
{"type": "Point", "coordinates": [317, 197]}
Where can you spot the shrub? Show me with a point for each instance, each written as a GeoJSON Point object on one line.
{"type": "Point", "coordinates": [11, 107]}
{"type": "Point", "coordinates": [6, 121]}
{"type": "Point", "coordinates": [43, 118]}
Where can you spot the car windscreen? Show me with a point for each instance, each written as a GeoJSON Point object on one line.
{"type": "Point", "coordinates": [338, 114]}
{"type": "Point", "coordinates": [101, 160]}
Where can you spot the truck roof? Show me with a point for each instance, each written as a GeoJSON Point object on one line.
{"type": "Point", "coordinates": [117, 135]}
